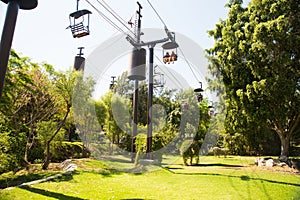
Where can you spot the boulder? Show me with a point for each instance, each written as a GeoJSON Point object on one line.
{"type": "Point", "coordinates": [68, 166]}
{"type": "Point", "coordinates": [270, 163]}
{"type": "Point", "coordinates": [260, 162]}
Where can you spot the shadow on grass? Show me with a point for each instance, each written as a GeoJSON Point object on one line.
{"type": "Point", "coordinates": [14, 181]}
{"type": "Point", "coordinates": [112, 172]}
{"type": "Point", "coordinates": [244, 178]}
{"type": "Point", "coordinates": [135, 199]}
{"type": "Point", "coordinates": [116, 159]}
{"type": "Point", "coordinates": [65, 177]}
{"type": "Point", "coordinates": [49, 193]}
{"type": "Point", "coordinates": [217, 165]}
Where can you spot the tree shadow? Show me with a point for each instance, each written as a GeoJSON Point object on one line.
{"type": "Point", "coordinates": [14, 181]}
{"type": "Point", "coordinates": [115, 159]}
{"type": "Point", "coordinates": [135, 199]}
{"type": "Point", "coordinates": [114, 172]}
{"type": "Point", "coordinates": [218, 165]}
{"type": "Point", "coordinates": [50, 194]}
{"type": "Point", "coordinates": [64, 177]}
{"type": "Point", "coordinates": [243, 177]}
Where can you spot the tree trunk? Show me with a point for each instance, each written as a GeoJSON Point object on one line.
{"type": "Point", "coordinates": [285, 144]}
{"type": "Point", "coordinates": [29, 144]}
{"type": "Point", "coordinates": [26, 155]}
{"type": "Point", "coordinates": [47, 157]}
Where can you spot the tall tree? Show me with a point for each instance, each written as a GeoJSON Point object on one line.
{"type": "Point", "coordinates": [41, 106]}
{"type": "Point", "coordinates": [257, 52]}
{"type": "Point", "coordinates": [26, 100]}
{"type": "Point", "coordinates": [69, 87]}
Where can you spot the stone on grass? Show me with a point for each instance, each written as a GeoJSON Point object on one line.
{"type": "Point", "coordinates": [270, 163]}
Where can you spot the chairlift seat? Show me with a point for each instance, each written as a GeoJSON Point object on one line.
{"type": "Point", "coordinates": [79, 28]}
{"type": "Point", "coordinates": [170, 46]}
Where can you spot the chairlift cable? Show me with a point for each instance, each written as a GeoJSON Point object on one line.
{"type": "Point", "coordinates": [189, 64]}
{"type": "Point", "coordinates": [106, 18]}
{"type": "Point", "coordinates": [157, 13]}
{"type": "Point", "coordinates": [175, 80]}
{"type": "Point", "coordinates": [116, 17]}
{"type": "Point", "coordinates": [179, 46]}
{"type": "Point", "coordinates": [114, 12]}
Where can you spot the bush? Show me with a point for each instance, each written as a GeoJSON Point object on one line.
{"type": "Point", "coordinates": [36, 152]}
{"type": "Point", "coordinates": [190, 149]}
{"type": "Point", "coordinates": [140, 146]}
{"type": "Point", "coordinates": [11, 151]}
{"type": "Point", "coordinates": [69, 150]}
{"type": "Point", "coordinates": [217, 151]}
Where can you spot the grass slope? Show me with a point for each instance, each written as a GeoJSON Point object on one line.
{"type": "Point", "coordinates": [215, 178]}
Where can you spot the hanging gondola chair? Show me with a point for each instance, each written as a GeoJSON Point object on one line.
{"type": "Point", "coordinates": [199, 90]}
{"type": "Point", "coordinates": [170, 52]}
{"type": "Point", "coordinates": [79, 27]}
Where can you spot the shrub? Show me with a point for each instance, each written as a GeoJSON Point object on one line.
{"type": "Point", "coordinates": [11, 151]}
{"type": "Point", "coordinates": [190, 149]}
{"type": "Point", "coordinates": [140, 146]}
{"type": "Point", "coordinates": [36, 152]}
{"type": "Point", "coordinates": [219, 151]}
{"type": "Point", "coordinates": [69, 150]}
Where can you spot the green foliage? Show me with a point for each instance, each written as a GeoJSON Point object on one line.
{"type": "Point", "coordinates": [140, 146]}
{"type": "Point", "coordinates": [45, 131]}
{"type": "Point", "coordinates": [140, 143]}
{"type": "Point", "coordinates": [101, 112]}
{"type": "Point", "coordinates": [12, 147]}
{"type": "Point", "coordinates": [69, 150]}
{"type": "Point", "coordinates": [190, 149]}
{"type": "Point", "coordinates": [256, 55]}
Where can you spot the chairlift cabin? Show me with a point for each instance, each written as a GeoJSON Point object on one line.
{"type": "Point", "coordinates": [78, 23]}
{"type": "Point", "coordinates": [198, 91]}
{"type": "Point", "coordinates": [170, 52]}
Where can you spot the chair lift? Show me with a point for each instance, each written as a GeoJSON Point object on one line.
{"type": "Point", "coordinates": [199, 90]}
{"type": "Point", "coordinates": [167, 57]}
{"type": "Point", "coordinates": [79, 27]}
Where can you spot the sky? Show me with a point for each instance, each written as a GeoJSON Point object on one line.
{"type": "Point", "coordinates": [41, 33]}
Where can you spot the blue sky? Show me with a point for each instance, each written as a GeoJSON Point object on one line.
{"type": "Point", "coordinates": [41, 33]}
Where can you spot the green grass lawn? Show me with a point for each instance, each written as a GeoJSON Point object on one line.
{"type": "Point", "coordinates": [215, 178]}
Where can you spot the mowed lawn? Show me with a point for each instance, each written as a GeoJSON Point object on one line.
{"type": "Point", "coordinates": [215, 178]}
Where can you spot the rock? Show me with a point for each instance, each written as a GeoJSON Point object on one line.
{"type": "Point", "coordinates": [261, 162]}
{"type": "Point", "coordinates": [68, 166]}
{"type": "Point", "coordinates": [256, 161]}
{"type": "Point", "coordinates": [270, 163]}
{"type": "Point", "coordinates": [283, 158]}
{"type": "Point", "coordinates": [282, 164]}
{"type": "Point", "coordinates": [295, 164]}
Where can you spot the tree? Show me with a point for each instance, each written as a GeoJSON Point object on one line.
{"type": "Point", "coordinates": [26, 99]}
{"type": "Point", "coordinates": [41, 106]}
{"type": "Point", "coordinates": [66, 86]}
{"type": "Point", "coordinates": [257, 52]}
